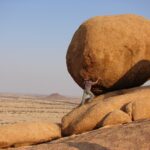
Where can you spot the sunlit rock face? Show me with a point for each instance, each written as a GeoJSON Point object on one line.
{"type": "Point", "coordinates": [115, 49]}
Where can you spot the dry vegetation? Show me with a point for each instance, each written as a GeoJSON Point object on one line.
{"type": "Point", "coordinates": [20, 108]}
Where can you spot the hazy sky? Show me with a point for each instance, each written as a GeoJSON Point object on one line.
{"type": "Point", "coordinates": [34, 37]}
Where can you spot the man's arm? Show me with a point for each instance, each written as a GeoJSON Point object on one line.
{"type": "Point", "coordinates": [93, 83]}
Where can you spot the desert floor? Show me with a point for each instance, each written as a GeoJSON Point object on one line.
{"type": "Point", "coordinates": [19, 108]}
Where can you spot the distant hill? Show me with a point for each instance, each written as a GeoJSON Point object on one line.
{"type": "Point", "coordinates": [57, 96]}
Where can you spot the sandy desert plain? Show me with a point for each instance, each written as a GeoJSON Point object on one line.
{"type": "Point", "coordinates": [23, 108]}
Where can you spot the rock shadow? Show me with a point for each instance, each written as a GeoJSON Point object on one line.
{"type": "Point", "coordinates": [86, 146]}
{"type": "Point", "coordinates": [136, 76]}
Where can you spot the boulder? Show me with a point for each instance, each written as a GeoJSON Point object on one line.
{"type": "Point", "coordinates": [115, 49]}
{"type": "Point", "coordinates": [20, 134]}
{"type": "Point", "coordinates": [139, 109]}
{"type": "Point", "coordinates": [108, 109]}
{"type": "Point", "coordinates": [116, 117]}
{"type": "Point", "coordinates": [131, 136]}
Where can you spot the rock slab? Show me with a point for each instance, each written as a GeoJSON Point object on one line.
{"type": "Point", "coordinates": [131, 136]}
{"type": "Point", "coordinates": [19, 134]}
{"type": "Point", "coordinates": [108, 109]}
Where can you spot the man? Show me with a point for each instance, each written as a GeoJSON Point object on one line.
{"type": "Point", "coordinates": [87, 89]}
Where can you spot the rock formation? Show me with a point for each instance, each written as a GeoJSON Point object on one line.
{"type": "Point", "coordinates": [20, 134]}
{"type": "Point", "coordinates": [131, 136]}
{"type": "Point", "coordinates": [114, 48]}
{"type": "Point", "coordinates": [108, 109]}
{"type": "Point", "coordinates": [117, 108]}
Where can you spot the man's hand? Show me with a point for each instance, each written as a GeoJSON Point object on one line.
{"type": "Point", "coordinates": [97, 81]}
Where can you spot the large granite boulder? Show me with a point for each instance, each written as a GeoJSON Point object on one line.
{"type": "Point", "coordinates": [131, 136]}
{"type": "Point", "coordinates": [26, 133]}
{"type": "Point", "coordinates": [115, 49]}
{"type": "Point", "coordinates": [108, 109]}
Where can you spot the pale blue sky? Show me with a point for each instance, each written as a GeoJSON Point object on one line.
{"type": "Point", "coordinates": [35, 34]}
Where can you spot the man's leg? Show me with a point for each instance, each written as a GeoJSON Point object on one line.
{"type": "Point", "coordinates": [91, 95]}
{"type": "Point", "coordinates": [84, 97]}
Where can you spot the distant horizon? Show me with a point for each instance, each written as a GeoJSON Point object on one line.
{"type": "Point", "coordinates": [35, 35]}
{"type": "Point", "coordinates": [48, 94]}
{"type": "Point", "coordinates": [36, 94]}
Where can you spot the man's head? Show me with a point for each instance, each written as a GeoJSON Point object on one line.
{"type": "Point", "coordinates": [86, 79]}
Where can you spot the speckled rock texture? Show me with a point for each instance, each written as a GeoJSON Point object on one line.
{"type": "Point", "coordinates": [115, 49]}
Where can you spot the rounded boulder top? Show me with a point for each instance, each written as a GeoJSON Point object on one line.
{"type": "Point", "coordinates": [115, 49]}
